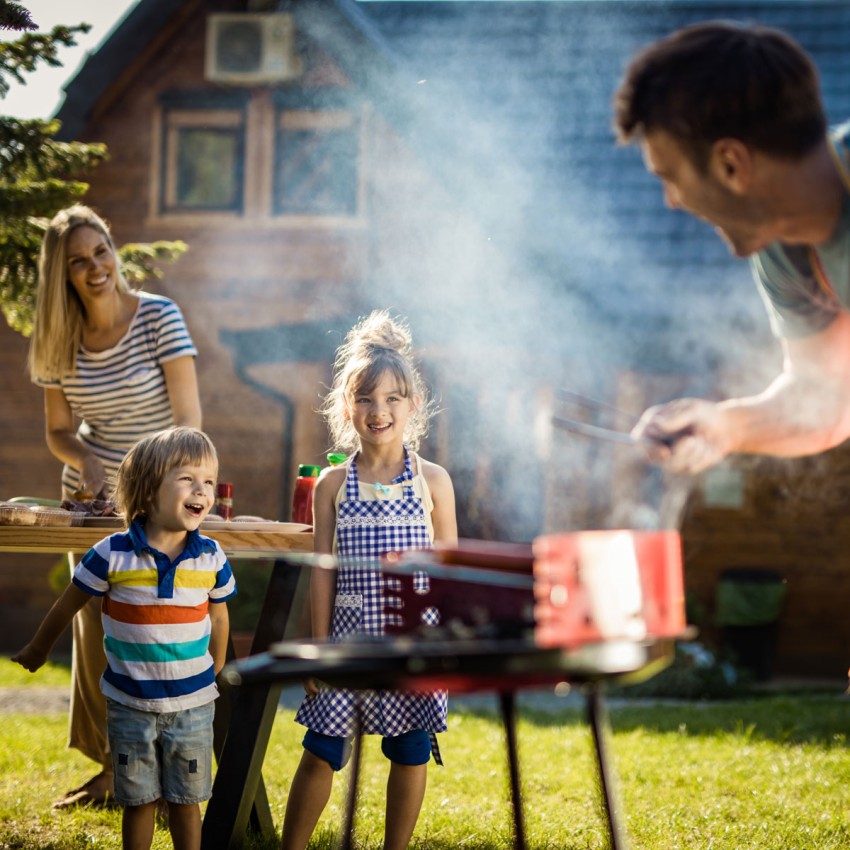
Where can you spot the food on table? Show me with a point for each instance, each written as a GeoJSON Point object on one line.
{"type": "Point", "coordinates": [56, 516]}
{"type": "Point", "coordinates": [16, 513]}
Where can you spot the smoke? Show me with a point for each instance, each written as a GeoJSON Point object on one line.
{"type": "Point", "coordinates": [530, 253]}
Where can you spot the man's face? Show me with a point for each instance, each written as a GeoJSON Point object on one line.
{"type": "Point", "coordinates": [720, 201]}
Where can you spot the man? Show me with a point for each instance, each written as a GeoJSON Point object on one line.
{"type": "Point", "coordinates": [730, 119]}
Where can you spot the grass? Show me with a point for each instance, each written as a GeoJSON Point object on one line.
{"type": "Point", "coordinates": [767, 772]}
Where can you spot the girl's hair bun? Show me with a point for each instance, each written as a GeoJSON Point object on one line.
{"type": "Point", "coordinates": [380, 330]}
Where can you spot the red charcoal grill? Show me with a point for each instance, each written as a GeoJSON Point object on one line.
{"type": "Point", "coordinates": [585, 607]}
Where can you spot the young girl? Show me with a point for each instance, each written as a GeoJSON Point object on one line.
{"type": "Point", "coordinates": [385, 499]}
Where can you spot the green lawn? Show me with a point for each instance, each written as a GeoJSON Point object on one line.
{"type": "Point", "coordinates": [767, 772]}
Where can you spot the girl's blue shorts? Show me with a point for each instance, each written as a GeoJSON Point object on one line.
{"type": "Point", "coordinates": [411, 748]}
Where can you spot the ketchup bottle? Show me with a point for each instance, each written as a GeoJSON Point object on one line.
{"type": "Point", "coordinates": [302, 498]}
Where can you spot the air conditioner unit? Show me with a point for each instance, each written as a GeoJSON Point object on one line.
{"type": "Point", "coordinates": [251, 48]}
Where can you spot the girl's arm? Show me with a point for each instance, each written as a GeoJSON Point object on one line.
{"type": "Point", "coordinates": [35, 653]}
{"type": "Point", "coordinates": [443, 516]}
{"type": "Point", "coordinates": [181, 381]}
{"type": "Point", "coordinates": [323, 582]}
{"type": "Point", "coordinates": [61, 438]}
{"type": "Point", "coordinates": [219, 628]}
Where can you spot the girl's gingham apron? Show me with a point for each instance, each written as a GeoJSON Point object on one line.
{"type": "Point", "coordinates": [367, 529]}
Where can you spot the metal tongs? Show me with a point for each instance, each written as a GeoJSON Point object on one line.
{"type": "Point", "coordinates": [599, 409]}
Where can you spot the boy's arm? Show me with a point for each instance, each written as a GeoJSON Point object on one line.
{"type": "Point", "coordinates": [35, 653]}
{"type": "Point", "coordinates": [219, 629]}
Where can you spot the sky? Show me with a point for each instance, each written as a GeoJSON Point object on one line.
{"type": "Point", "coordinates": [42, 94]}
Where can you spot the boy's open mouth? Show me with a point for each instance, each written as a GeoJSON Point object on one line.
{"type": "Point", "coordinates": [195, 510]}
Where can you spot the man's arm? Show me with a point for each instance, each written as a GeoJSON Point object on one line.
{"type": "Point", "coordinates": [804, 411]}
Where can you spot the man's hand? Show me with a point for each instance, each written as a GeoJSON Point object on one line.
{"type": "Point", "coordinates": [686, 435]}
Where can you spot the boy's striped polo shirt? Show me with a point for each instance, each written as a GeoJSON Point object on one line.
{"type": "Point", "coordinates": [155, 617]}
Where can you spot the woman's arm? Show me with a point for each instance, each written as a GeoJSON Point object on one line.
{"type": "Point", "coordinates": [62, 440]}
{"type": "Point", "coordinates": [181, 380]}
{"type": "Point", "coordinates": [444, 516]}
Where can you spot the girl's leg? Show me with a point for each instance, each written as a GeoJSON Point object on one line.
{"type": "Point", "coordinates": [405, 792]}
{"type": "Point", "coordinates": [137, 827]}
{"type": "Point", "coordinates": [184, 824]}
{"type": "Point", "coordinates": [308, 795]}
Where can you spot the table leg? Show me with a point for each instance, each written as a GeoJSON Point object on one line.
{"type": "Point", "coordinates": [507, 702]}
{"type": "Point", "coordinates": [599, 723]}
{"type": "Point", "coordinates": [242, 730]}
{"type": "Point", "coordinates": [347, 840]}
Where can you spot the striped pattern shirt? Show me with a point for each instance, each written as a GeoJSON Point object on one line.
{"type": "Point", "coordinates": [155, 618]}
{"type": "Point", "coordinates": [120, 395]}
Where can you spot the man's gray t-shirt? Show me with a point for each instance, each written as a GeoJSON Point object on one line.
{"type": "Point", "coordinates": [797, 304]}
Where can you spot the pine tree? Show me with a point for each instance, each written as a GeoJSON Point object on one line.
{"type": "Point", "coordinates": [40, 175]}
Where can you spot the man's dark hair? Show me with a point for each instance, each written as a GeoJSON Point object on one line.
{"type": "Point", "coordinates": [718, 80]}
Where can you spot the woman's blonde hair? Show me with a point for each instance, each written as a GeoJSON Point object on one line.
{"type": "Point", "coordinates": [146, 464]}
{"type": "Point", "coordinates": [375, 345]}
{"type": "Point", "coordinates": [59, 313]}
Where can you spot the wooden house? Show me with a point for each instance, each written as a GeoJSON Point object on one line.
{"type": "Point", "coordinates": [454, 163]}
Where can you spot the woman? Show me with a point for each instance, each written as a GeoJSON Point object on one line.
{"type": "Point", "coordinates": [121, 364]}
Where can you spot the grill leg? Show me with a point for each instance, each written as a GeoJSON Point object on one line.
{"type": "Point", "coordinates": [598, 719]}
{"type": "Point", "coordinates": [507, 701]}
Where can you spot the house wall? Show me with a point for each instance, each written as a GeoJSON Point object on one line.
{"type": "Point", "coordinates": [412, 248]}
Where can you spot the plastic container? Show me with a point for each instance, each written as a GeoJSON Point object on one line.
{"type": "Point", "coordinates": [302, 498]}
{"type": "Point", "coordinates": [224, 500]}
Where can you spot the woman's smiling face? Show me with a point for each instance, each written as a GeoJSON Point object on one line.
{"type": "Point", "coordinates": [91, 263]}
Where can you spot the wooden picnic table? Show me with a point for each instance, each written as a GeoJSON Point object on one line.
{"type": "Point", "coordinates": [249, 716]}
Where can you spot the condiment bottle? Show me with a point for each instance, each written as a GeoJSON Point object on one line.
{"type": "Point", "coordinates": [334, 459]}
{"type": "Point", "coordinates": [224, 500]}
{"type": "Point", "coordinates": [302, 498]}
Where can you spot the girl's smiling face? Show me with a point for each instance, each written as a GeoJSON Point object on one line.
{"type": "Point", "coordinates": [184, 497]}
{"type": "Point", "coordinates": [380, 416]}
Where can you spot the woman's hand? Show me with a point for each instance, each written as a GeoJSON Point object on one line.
{"type": "Point", "coordinates": [93, 476]}
{"type": "Point", "coordinates": [311, 687]}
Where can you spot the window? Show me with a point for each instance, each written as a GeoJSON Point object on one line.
{"type": "Point", "coordinates": [203, 159]}
{"type": "Point", "coordinates": [316, 164]}
{"type": "Point", "coordinates": [274, 157]}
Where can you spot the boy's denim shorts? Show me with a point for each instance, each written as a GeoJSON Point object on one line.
{"type": "Point", "coordinates": [410, 748]}
{"type": "Point", "coordinates": [166, 756]}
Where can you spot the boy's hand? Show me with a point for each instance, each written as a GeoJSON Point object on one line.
{"type": "Point", "coordinates": [30, 658]}
{"type": "Point", "coordinates": [311, 687]}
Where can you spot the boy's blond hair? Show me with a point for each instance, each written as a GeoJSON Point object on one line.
{"type": "Point", "coordinates": [145, 465]}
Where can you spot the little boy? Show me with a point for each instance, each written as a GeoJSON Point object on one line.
{"type": "Point", "coordinates": [164, 642]}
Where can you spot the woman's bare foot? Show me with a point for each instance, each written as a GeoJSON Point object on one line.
{"type": "Point", "coordinates": [97, 791]}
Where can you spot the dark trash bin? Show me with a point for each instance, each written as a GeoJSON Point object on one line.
{"type": "Point", "coordinates": [749, 601]}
